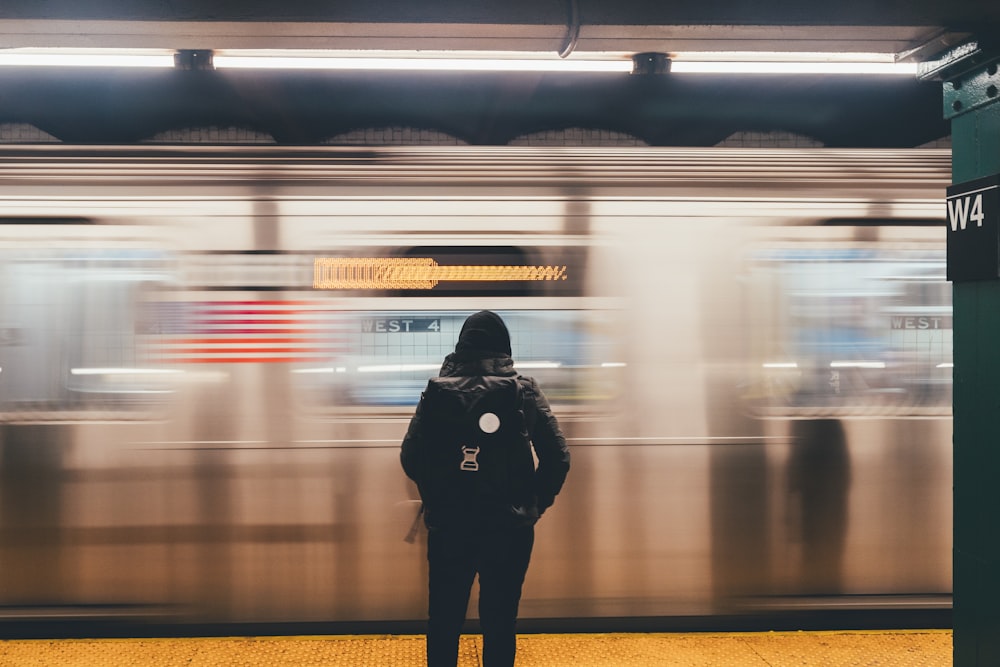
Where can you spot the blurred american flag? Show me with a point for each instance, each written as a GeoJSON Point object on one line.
{"type": "Point", "coordinates": [244, 332]}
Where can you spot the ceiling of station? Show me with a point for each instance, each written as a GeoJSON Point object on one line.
{"type": "Point", "coordinates": [620, 25]}
{"type": "Point", "coordinates": [118, 106]}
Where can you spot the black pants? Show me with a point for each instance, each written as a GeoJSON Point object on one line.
{"type": "Point", "coordinates": [500, 556]}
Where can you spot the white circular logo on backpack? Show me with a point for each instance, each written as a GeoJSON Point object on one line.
{"type": "Point", "coordinates": [489, 423]}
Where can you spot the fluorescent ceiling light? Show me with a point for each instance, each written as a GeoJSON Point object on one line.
{"type": "Point", "coordinates": [427, 61]}
{"type": "Point", "coordinates": [535, 365]}
{"type": "Point", "coordinates": [328, 369]}
{"type": "Point", "coordinates": [767, 67]}
{"type": "Point", "coordinates": [742, 62]}
{"type": "Point", "coordinates": [162, 58]}
{"type": "Point", "coordinates": [397, 368]}
{"type": "Point", "coordinates": [123, 371]}
{"type": "Point", "coordinates": [857, 364]}
{"type": "Point", "coordinates": [789, 62]}
{"type": "Point", "coordinates": [785, 56]}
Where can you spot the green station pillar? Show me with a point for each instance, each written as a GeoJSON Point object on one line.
{"type": "Point", "coordinates": [970, 80]}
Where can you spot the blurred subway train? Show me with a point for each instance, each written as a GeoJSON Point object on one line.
{"type": "Point", "coordinates": [208, 358]}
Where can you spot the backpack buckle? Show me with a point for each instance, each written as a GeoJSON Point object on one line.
{"type": "Point", "coordinates": [470, 463]}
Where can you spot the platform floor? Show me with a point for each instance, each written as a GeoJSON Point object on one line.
{"type": "Point", "coordinates": [921, 648]}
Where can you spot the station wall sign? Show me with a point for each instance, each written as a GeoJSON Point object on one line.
{"type": "Point", "coordinates": [974, 230]}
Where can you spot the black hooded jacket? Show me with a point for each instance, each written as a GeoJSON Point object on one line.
{"type": "Point", "coordinates": [483, 350]}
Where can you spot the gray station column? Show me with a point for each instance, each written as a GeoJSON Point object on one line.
{"type": "Point", "coordinates": [970, 78]}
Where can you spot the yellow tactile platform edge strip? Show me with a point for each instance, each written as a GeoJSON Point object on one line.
{"type": "Point", "coordinates": [918, 648]}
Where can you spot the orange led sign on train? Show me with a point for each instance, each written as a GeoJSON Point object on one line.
{"type": "Point", "coordinates": [415, 273]}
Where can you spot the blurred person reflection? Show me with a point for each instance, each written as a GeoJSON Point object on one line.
{"type": "Point", "coordinates": [32, 469]}
{"type": "Point", "coordinates": [819, 477]}
{"type": "Point", "coordinates": [481, 490]}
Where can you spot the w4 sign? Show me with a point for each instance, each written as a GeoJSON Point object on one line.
{"type": "Point", "coordinates": [974, 230]}
{"type": "Point", "coordinates": [962, 210]}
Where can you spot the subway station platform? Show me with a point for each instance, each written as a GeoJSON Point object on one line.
{"type": "Point", "coordinates": [917, 648]}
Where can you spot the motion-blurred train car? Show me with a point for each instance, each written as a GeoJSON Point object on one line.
{"type": "Point", "coordinates": [208, 358]}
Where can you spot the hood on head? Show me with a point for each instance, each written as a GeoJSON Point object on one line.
{"type": "Point", "coordinates": [484, 332]}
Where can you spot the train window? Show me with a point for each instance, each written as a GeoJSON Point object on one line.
{"type": "Point", "coordinates": [386, 357]}
{"type": "Point", "coordinates": [882, 222]}
{"type": "Point", "coordinates": [850, 331]}
{"type": "Point", "coordinates": [71, 334]}
{"type": "Point", "coordinates": [44, 220]}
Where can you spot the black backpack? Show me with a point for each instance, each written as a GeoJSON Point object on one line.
{"type": "Point", "coordinates": [478, 464]}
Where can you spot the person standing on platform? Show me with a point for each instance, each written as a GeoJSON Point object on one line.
{"type": "Point", "coordinates": [469, 449]}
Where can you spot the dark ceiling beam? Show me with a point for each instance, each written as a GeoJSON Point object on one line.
{"type": "Point", "coordinates": [538, 12]}
{"type": "Point", "coordinates": [125, 106]}
{"type": "Point", "coordinates": [631, 26]}
{"type": "Point", "coordinates": [512, 36]}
